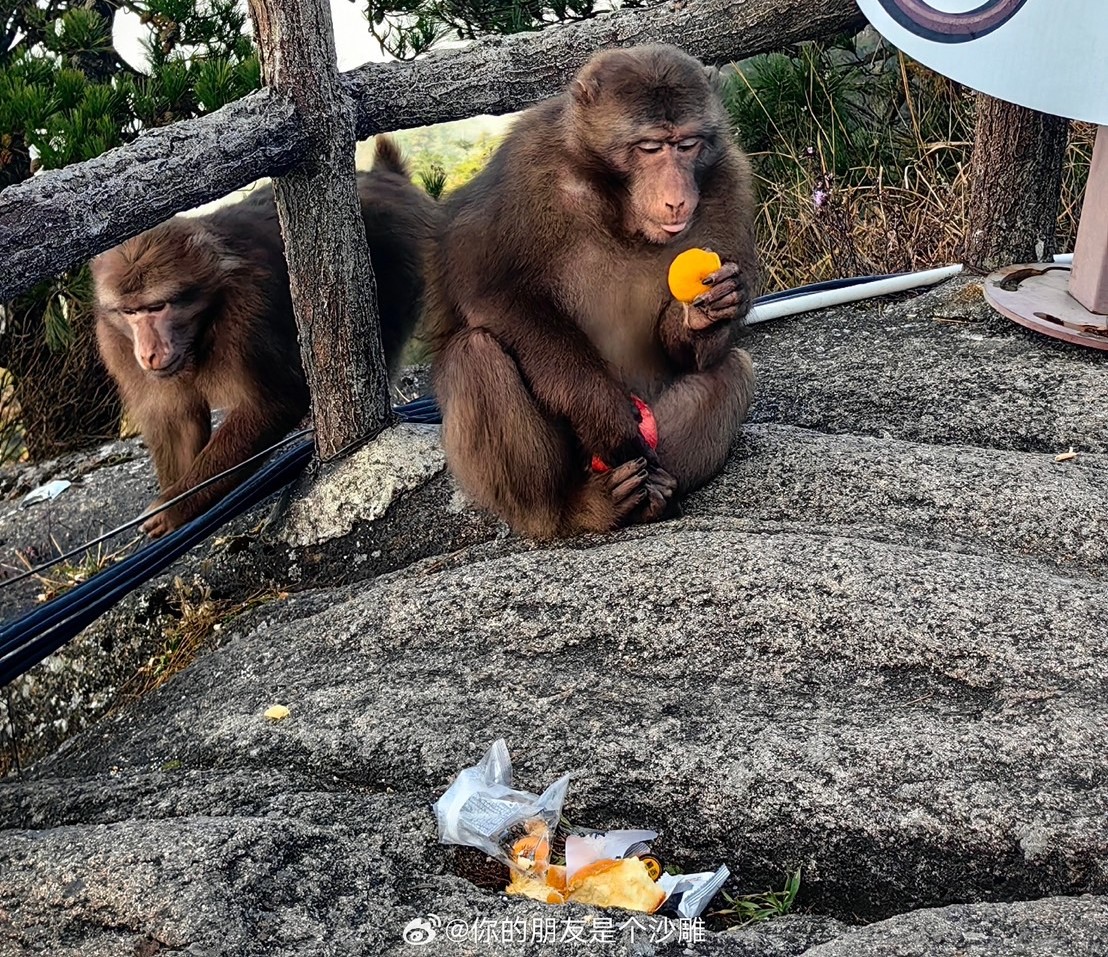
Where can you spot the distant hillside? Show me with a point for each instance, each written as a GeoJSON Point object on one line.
{"type": "Point", "coordinates": [443, 157]}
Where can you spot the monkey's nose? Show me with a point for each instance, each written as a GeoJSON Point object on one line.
{"type": "Point", "coordinates": [676, 208]}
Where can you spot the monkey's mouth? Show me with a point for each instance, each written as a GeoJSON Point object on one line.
{"type": "Point", "coordinates": [166, 371]}
{"type": "Point", "coordinates": [674, 228]}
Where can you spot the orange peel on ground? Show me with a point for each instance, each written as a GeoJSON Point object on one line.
{"type": "Point", "coordinates": [688, 271]}
{"type": "Point", "coordinates": [626, 884]}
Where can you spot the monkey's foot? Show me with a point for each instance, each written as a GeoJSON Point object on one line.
{"type": "Point", "coordinates": [164, 522]}
{"type": "Point", "coordinates": [609, 499]}
{"type": "Point", "coordinates": [659, 502]}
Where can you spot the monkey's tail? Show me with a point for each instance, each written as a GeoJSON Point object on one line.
{"type": "Point", "coordinates": [387, 156]}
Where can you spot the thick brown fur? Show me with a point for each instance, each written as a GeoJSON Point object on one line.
{"type": "Point", "coordinates": [195, 315]}
{"type": "Point", "coordinates": [549, 307]}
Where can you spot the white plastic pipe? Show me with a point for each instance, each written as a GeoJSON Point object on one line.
{"type": "Point", "coordinates": [1064, 259]}
{"type": "Point", "coordinates": [836, 297]}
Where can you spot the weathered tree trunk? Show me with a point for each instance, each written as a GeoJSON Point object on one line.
{"type": "Point", "coordinates": [1015, 185]}
{"type": "Point", "coordinates": [333, 290]}
{"type": "Point", "coordinates": [59, 219]}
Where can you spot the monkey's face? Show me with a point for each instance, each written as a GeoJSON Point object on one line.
{"type": "Point", "coordinates": [662, 191]}
{"type": "Point", "coordinates": [161, 327]}
{"type": "Point", "coordinates": [156, 289]}
{"type": "Point", "coordinates": [648, 123]}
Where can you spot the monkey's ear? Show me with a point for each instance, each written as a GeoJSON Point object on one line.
{"type": "Point", "coordinates": [209, 245]}
{"type": "Point", "coordinates": [715, 78]}
{"type": "Point", "coordinates": [585, 88]}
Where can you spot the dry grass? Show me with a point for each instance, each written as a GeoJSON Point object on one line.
{"type": "Point", "coordinates": [65, 575]}
{"type": "Point", "coordinates": [199, 617]}
{"type": "Point", "coordinates": [860, 159]}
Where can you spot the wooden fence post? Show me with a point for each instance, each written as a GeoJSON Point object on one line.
{"type": "Point", "coordinates": [333, 290]}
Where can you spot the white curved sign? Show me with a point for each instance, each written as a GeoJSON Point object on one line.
{"type": "Point", "coordinates": [1051, 55]}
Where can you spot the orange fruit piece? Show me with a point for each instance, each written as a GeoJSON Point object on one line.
{"type": "Point", "coordinates": [549, 889]}
{"type": "Point", "coordinates": [532, 851]}
{"type": "Point", "coordinates": [624, 883]}
{"type": "Point", "coordinates": [689, 270]}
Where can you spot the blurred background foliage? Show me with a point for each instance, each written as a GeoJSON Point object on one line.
{"type": "Point", "coordinates": [407, 28]}
{"type": "Point", "coordinates": [861, 158]}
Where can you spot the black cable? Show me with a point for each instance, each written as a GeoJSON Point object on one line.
{"type": "Point", "coordinates": [32, 637]}
{"type": "Point", "coordinates": [824, 286]}
{"type": "Point", "coordinates": [35, 635]}
{"type": "Point", "coordinates": [423, 411]}
{"type": "Point", "coordinates": [138, 520]}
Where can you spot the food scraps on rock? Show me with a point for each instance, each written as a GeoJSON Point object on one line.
{"type": "Point", "coordinates": [483, 809]}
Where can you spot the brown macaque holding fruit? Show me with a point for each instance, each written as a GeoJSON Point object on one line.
{"type": "Point", "coordinates": [551, 309]}
{"type": "Point", "coordinates": [196, 315]}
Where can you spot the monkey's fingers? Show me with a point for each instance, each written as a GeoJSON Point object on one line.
{"type": "Point", "coordinates": [705, 316]}
{"type": "Point", "coordinates": [654, 506]}
{"type": "Point", "coordinates": [159, 525]}
{"type": "Point", "coordinates": [627, 487]}
{"type": "Point", "coordinates": [728, 287]}
{"type": "Point", "coordinates": [725, 302]}
{"type": "Point", "coordinates": [625, 478]}
{"type": "Point", "coordinates": [725, 308]}
{"type": "Point", "coordinates": [726, 271]}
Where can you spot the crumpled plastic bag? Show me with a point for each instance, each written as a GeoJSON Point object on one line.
{"type": "Point", "coordinates": [585, 849]}
{"type": "Point", "coordinates": [45, 493]}
{"type": "Point", "coordinates": [481, 809]}
{"type": "Point", "coordinates": [687, 895]}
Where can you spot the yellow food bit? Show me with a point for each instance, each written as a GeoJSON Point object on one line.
{"type": "Point", "coordinates": [624, 883]}
{"type": "Point", "coordinates": [277, 712]}
{"type": "Point", "coordinates": [550, 889]}
{"type": "Point", "coordinates": [689, 270]}
{"type": "Point", "coordinates": [533, 849]}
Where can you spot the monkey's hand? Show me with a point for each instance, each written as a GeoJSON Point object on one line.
{"type": "Point", "coordinates": [648, 432]}
{"type": "Point", "coordinates": [614, 432]}
{"type": "Point", "coordinates": [727, 299]}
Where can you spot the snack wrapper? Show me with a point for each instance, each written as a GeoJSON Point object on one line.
{"type": "Point", "coordinates": [688, 894]}
{"type": "Point", "coordinates": [481, 809]}
{"type": "Point", "coordinates": [585, 849]}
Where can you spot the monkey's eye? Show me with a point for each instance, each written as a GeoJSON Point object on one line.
{"type": "Point", "coordinates": [688, 144]}
{"type": "Point", "coordinates": [155, 307]}
{"type": "Point", "coordinates": [129, 312]}
{"type": "Point", "coordinates": [649, 146]}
